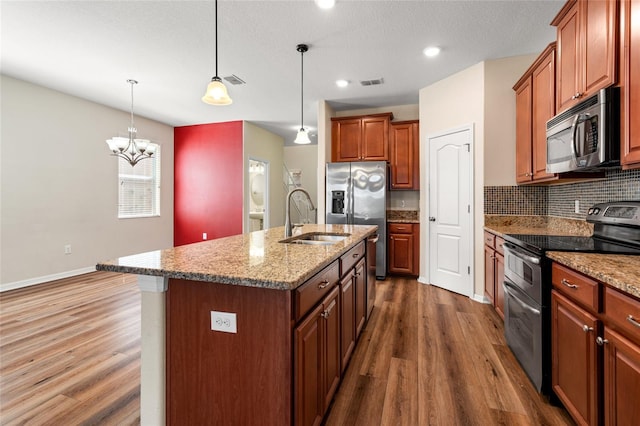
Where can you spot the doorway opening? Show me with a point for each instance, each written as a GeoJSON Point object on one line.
{"type": "Point", "coordinates": [258, 205]}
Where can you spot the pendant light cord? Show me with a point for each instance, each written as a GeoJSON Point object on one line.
{"type": "Point", "coordinates": [132, 82]}
{"type": "Point", "coordinates": [216, 19]}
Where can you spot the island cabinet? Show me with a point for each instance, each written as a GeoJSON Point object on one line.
{"type": "Point", "coordinates": [630, 84]}
{"type": "Point", "coordinates": [595, 349]}
{"type": "Point", "coordinates": [404, 161]}
{"type": "Point", "coordinates": [360, 138]}
{"type": "Point", "coordinates": [535, 104]}
{"type": "Point", "coordinates": [587, 49]}
{"type": "Point", "coordinates": [494, 271]}
{"type": "Point", "coordinates": [404, 248]}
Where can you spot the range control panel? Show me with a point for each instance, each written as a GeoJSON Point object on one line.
{"type": "Point", "coordinates": [618, 212]}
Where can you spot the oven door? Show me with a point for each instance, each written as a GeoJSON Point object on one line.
{"type": "Point", "coordinates": [523, 331]}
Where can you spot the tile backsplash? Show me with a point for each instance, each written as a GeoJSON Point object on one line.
{"type": "Point", "coordinates": [559, 200]}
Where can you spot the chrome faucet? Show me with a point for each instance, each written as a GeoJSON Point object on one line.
{"type": "Point", "coordinates": [288, 226]}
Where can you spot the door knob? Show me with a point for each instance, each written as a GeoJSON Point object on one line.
{"type": "Point", "coordinates": [432, 219]}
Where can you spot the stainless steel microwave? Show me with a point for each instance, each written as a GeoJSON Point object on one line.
{"type": "Point", "coordinates": [585, 136]}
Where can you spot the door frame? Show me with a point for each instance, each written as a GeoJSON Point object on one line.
{"type": "Point", "coordinates": [425, 278]}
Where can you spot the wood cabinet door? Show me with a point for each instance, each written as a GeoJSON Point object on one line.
{"type": "Point", "coordinates": [574, 375]}
{"type": "Point", "coordinates": [308, 341]}
{"type": "Point", "coordinates": [331, 346]}
{"type": "Point", "coordinates": [569, 48]}
{"type": "Point", "coordinates": [498, 279]}
{"type": "Point", "coordinates": [544, 108]}
{"type": "Point", "coordinates": [401, 253]}
{"type": "Point", "coordinates": [489, 273]}
{"type": "Point", "coordinates": [347, 311]}
{"type": "Point", "coordinates": [346, 139]}
{"type": "Point", "coordinates": [375, 139]}
{"type": "Point", "coordinates": [630, 84]}
{"type": "Point", "coordinates": [599, 58]}
{"type": "Point", "coordinates": [360, 296]}
{"type": "Point", "coordinates": [523, 132]}
{"type": "Point", "coordinates": [621, 380]}
{"type": "Point", "coordinates": [403, 155]}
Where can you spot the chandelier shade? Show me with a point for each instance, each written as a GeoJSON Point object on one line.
{"type": "Point", "coordinates": [132, 149]}
{"type": "Point", "coordinates": [216, 93]}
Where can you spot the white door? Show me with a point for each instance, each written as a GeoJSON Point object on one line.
{"type": "Point", "coordinates": [450, 218]}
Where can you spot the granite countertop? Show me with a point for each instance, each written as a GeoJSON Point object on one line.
{"type": "Point", "coordinates": [619, 271]}
{"type": "Point", "coordinates": [403, 216]}
{"type": "Point", "coordinates": [538, 225]}
{"type": "Point", "coordinates": [256, 259]}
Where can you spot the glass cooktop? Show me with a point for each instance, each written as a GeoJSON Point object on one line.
{"type": "Point", "coordinates": [543, 243]}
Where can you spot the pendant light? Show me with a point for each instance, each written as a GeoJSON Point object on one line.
{"type": "Point", "coordinates": [216, 93]}
{"type": "Point", "coordinates": [302, 137]}
{"type": "Point", "coordinates": [131, 149]}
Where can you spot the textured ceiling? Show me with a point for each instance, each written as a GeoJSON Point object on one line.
{"type": "Point", "coordinates": [90, 48]}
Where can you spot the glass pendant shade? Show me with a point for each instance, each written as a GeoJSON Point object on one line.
{"type": "Point", "coordinates": [302, 138]}
{"type": "Point", "coordinates": [216, 93]}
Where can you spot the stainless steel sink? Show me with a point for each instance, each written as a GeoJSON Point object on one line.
{"type": "Point", "coordinates": [316, 238]}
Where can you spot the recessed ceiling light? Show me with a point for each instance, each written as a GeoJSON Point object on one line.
{"type": "Point", "coordinates": [431, 51]}
{"type": "Point", "coordinates": [325, 4]}
{"type": "Point", "coordinates": [342, 83]}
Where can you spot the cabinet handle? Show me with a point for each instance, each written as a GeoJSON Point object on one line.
{"type": "Point", "coordinates": [492, 257]}
{"type": "Point", "coordinates": [600, 341]}
{"type": "Point", "coordinates": [323, 284]}
{"type": "Point", "coordinates": [577, 95]}
{"type": "Point", "coordinates": [586, 328]}
{"type": "Point", "coordinates": [327, 312]}
{"type": "Point", "coordinates": [633, 321]}
{"type": "Point", "coordinates": [354, 255]}
{"type": "Point", "coordinates": [568, 284]}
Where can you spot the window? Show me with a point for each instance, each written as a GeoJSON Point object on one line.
{"type": "Point", "coordinates": [139, 187]}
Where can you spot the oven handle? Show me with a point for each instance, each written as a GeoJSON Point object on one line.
{"type": "Point", "coordinates": [518, 253]}
{"type": "Point", "coordinates": [513, 295]}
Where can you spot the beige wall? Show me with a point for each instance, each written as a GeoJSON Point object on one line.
{"type": "Point", "coordinates": [448, 104]}
{"type": "Point", "coordinates": [400, 112]}
{"type": "Point", "coordinates": [481, 95]}
{"type": "Point", "coordinates": [500, 118]}
{"type": "Point", "coordinates": [59, 186]}
{"type": "Point", "coordinates": [263, 145]}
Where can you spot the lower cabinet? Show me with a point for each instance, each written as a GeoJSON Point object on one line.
{"type": "Point", "coordinates": [360, 282]}
{"type": "Point", "coordinates": [403, 248]}
{"type": "Point", "coordinates": [595, 349]}
{"type": "Point", "coordinates": [317, 371]}
{"type": "Point", "coordinates": [347, 304]}
{"type": "Point", "coordinates": [575, 359]}
{"type": "Point", "coordinates": [494, 271]}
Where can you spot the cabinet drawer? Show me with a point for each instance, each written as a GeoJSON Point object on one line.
{"type": "Point", "coordinates": [310, 293]}
{"type": "Point", "coordinates": [499, 245]}
{"type": "Point", "coordinates": [400, 228]}
{"type": "Point", "coordinates": [578, 287]}
{"type": "Point", "coordinates": [350, 258]}
{"type": "Point", "coordinates": [623, 311]}
{"type": "Point", "coordinates": [489, 239]}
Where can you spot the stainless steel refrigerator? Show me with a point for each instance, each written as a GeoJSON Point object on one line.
{"type": "Point", "coordinates": [357, 195]}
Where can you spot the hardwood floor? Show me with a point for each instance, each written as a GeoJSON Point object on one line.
{"type": "Point", "coordinates": [70, 354]}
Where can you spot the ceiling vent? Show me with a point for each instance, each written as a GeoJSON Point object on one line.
{"type": "Point", "coordinates": [373, 82]}
{"type": "Point", "coordinates": [234, 79]}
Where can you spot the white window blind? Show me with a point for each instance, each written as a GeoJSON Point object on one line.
{"type": "Point", "coordinates": [139, 187]}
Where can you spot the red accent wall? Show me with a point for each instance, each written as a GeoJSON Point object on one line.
{"type": "Point", "coordinates": [208, 181]}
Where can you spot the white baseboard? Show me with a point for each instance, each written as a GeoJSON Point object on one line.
{"type": "Point", "coordinates": [480, 298]}
{"type": "Point", "coordinates": [423, 280]}
{"type": "Point", "coordinates": [39, 280]}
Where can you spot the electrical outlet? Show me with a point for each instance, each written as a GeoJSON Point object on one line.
{"type": "Point", "coordinates": [224, 321]}
{"type": "Point", "coordinates": [204, 235]}
{"type": "Point", "coordinates": [67, 249]}
{"type": "Point", "coordinates": [577, 206]}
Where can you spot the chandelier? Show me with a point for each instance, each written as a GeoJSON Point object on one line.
{"type": "Point", "coordinates": [131, 149]}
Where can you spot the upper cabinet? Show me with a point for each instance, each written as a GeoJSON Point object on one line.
{"type": "Point", "coordinates": [361, 138]}
{"type": "Point", "coordinates": [404, 155]}
{"type": "Point", "coordinates": [587, 46]}
{"type": "Point", "coordinates": [535, 104]}
{"type": "Point", "coordinates": [630, 83]}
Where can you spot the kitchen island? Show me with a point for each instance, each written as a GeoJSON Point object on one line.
{"type": "Point", "coordinates": [286, 319]}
